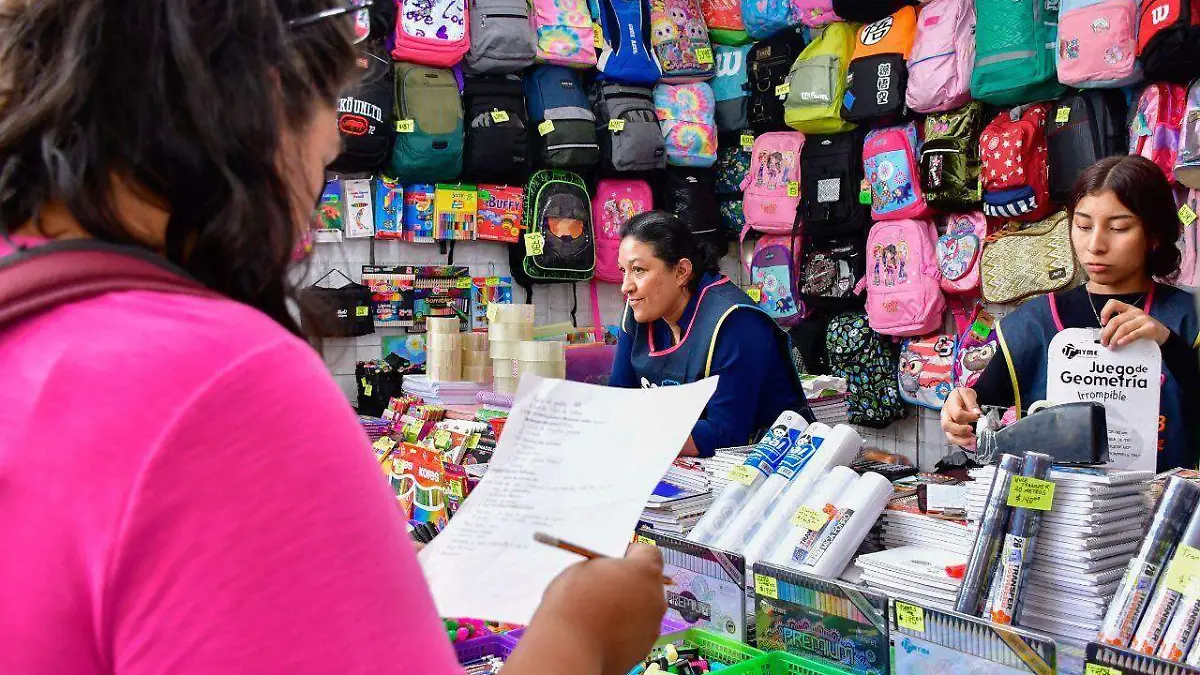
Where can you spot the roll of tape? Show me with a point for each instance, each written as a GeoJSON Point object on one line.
{"type": "Point", "coordinates": [442, 324]}
{"type": "Point", "coordinates": [539, 350]}
{"type": "Point", "coordinates": [510, 332]}
{"type": "Point", "coordinates": [510, 314]}
{"type": "Point", "coordinates": [505, 385]}
{"type": "Point", "coordinates": [505, 350]}
{"type": "Point", "coordinates": [476, 342]}
{"type": "Point", "coordinates": [477, 358]}
{"type": "Point", "coordinates": [504, 367]}
{"type": "Point", "coordinates": [477, 373]}
{"type": "Point", "coordinates": [552, 369]}
{"type": "Point", "coordinates": [444, 371]}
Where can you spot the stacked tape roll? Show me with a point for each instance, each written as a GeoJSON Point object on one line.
{"type": "Point", "coordinates": [508, 327]}
{"type": "Point", "coordinates": [442, 325]}
{"type": "Point", "coordinates": [476, 357]}
{"type": "Point", "coordinates": [443, 357]}
{"type": "Point", "coordinates": [510, 314]}
{"type": "Point", "coordinates": [510, 332]}
{"type": "Point", "coordinates": [543, 358]}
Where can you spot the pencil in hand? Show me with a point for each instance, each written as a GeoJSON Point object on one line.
{"type": "Point", "coordinates": [542, 538]}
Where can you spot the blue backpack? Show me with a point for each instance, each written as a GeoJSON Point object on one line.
{"type": "Point", "coordinates": [765, 18]}
{"type": "Point", "coordinates": [626, 56]}
{"type": "Point", "coordinates": [560, 113]}
{"type": "Point", "coordinates": [729, 87]}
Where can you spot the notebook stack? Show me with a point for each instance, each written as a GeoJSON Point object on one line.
{"type": "Point", "coordinates": [826, 396]}
{"type": "Point", "coordinates": [903, 524]}
{"type": "Point", "coordinates": [675, 510]}
{"type": "Point", "coordinates": [1083, 545]}
{"type": "Point", "coordinates": [442, 393]}
{"type": "Point", "coordinates": [688, 474]}
{"type": "Point", "coordinates": [719, 465]}
{"type": "Point", "coordinates": [920, 573]}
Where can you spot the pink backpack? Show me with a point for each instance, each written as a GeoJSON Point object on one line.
{"type": "Point", "coordinates": [891, 169]}
{"type": "Point", "coordinates": [1154, 128]}
{"type": "Point", "coordinates": [775, 272]}
{"type": "Point", "coordinates": [1097, 43]}
{"type": "Point", "coordinates": [814, 13]}
{"type": "Point", "coordinates": [432, 32]}
{"type": "Point", "coordinates": [959, 251]}
{"type": "Point", "coordinates": [943, 56]}
{"type": "Point", "coordinates": [1189, 266]}
{"type": "Point", "coordinates": [565, 36]}
{"type": "Point", "coordinates": [616, 201]}
{"type": "Point", "coordinates": [772, 187]}
{"type": "Point", "coordinates": [904, 296]}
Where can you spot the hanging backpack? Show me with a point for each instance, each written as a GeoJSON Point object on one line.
{"type": "Point", "coordinates": [498, 139]}
{"type": "Point", "coordinates": [1168, 39]}
{"type": "Point", "coordinates": [815, 13]}
{"type": "Point", "coordinates": [773, 270]}
{"type": "Point", "coordinates": [366, 119]}
{"type": "Point", "coordinates": [866, 11]}
{"type": "Point", "coordinates": [729, 87]}
{"type": "Point", "coordinates": [1187, 160]}
{"type": "Point", "coordinates": [943, 56]}
{"type": "Point", "coordinates": [878, 72]}
{"type": "Point", "coordinates": [432, 32]}
{"type": "Point", "coordinates": [558, 244]}
{"type": "Point", "coordinates": [1189, 245]}
{"type": "Point", "coordinates": [816, 82]}
{"type": "Point", "coordinates": [564, 33]}
{"type": "Point", "coordinates": [559, 110]}
{"type": "Point", "coordinates": [690, 194]}
{"type": "Point", "coordinates": [770, 62]}
{"type": "Point", "coordinates": [429, 125]}
{"type": "Point", "coordinates": [975, 348]}
{"type": "Point", "coordinates": [772, 188]}
{"type": "Point", "coordinates": [687, 117]}
{"type": "Point", "coordinates": [959, 251]}
{"type": "Point", "coordinates": [832, 270]}
{"type": "Point", "coordinates": [1022, 262]}
{"type": "Point", "coordinates": [904, 296]}
{"type": "Point", "coordinates": [868, 362]}
{"type": "Point", "coordinates": [831, 173]}
{"type": "Point", "coordinates": [502, 37]}
{"type": "Point", "coordinates": [891, 170]}
{"type": "Point", "coordinates": [1155, 123]}
{"type": "Point", "coordinates": [625, 54]}
{"type": "Point", "coordinates": [733, 163]}
{"type": "Point", "coordinates": [1097, 43]}
{"type": "Point", "coordinates": [1084, 128]}
{"type": "Point", "coordinates": [617, 200]}
{"type": "Point", "coordinates": [680, 40]}
{"type": "Point", "coordinates": [1014, 52]}
{"type": "Point", "coordinates": [724, 21]}
{"type": "Point", "coordinates": [627, 125]}
{"type": "Point", "coordinates": [764, 18]}
{"type": "Point", "coordinates": [926, 369]}
{"type": "Point", "coordinates": [950, 159]}
{"type": "Point", "coordinates": [1016, 183]}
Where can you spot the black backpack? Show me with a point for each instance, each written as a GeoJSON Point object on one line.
{"type": "Point", "coordinates": [1092, 128]}
{"type": "Point", "coordinates": [831, 270]}
{"type": "Point", "coordinates": [366, 118]}
{"type": "Point", "coordinates": [497, 130]}
{"type": "Point", "coordinates": [690, 193]}
{"type": "Point", "coordinates": [627, 126]}
{"type": "Point", "coordinates": [831, 175]}
{"type": "Point", "coordinates": [1169, 50]}
{"type": "Point", "coordinates": [767, 68]}
{"type": "Point", "coordinates": [867, 11]}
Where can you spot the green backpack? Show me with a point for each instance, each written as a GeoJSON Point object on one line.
{"type": "Point", "coordinates": [868, 361]}
{"type": "Point", "coordinates": [1014, 52]}
{"type": "Point", "coordinates": [558, 242]}
{"type": "Point", "coordinates": [816, 82]}
{"type": "Point", "coordinates": [429, 125]}
{"type": "Point", "coordinates": [950, 162]}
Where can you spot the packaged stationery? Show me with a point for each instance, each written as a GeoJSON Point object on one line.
{"type": "Point", "coordinates": [455, 209]}
{"type": "Point", "coordinates": [501, 208]}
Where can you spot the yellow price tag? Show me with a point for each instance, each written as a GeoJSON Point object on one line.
{"type": "Point", "coordinates": [742, 474]}
{"type": "Point", "coordinates": [1062, 115]}
{"type": "Point", "coordinates": [616, 126]}
{"type": "Point", "coordinates": [747, 141]}
{"type": "Point", "coordinates": [783, 90]}
{"type": "Point", "coordinates": [367, 390]}
{"type": "Point", "coordinates": [405, 126]}
{"type": "Point", "coordinates": [768, 587]}
{"type": "Point", "coordinates": [793, 188]}
{"type": "Point", "coordinates": [597, 35]}
{"type": "Point", "coordinates": [1183, 574]}
{"type": "Point", "coordinates": [646, 540]}
{"type": "Point", "coordinates": [456, 490]}
{"type": "Point", "coordinates": [362, 310]}
{"type": "Point", "coordinates": [499, 116]}
{"type": "Point", "coordinates": [492, 282]}
{"type": "Point", "coordinates": [810, 519]}
{"type": "Point", "coordinates": [910, 617]}
{"type": "Point", "coordinates": [1096, 669]}
{"type": "Point", "coordinates": [1031, 493]}
{"type": "Point", "coordinates": [384, 444]}
{"type": "Point", "coordinates": [1186, 215]}
{"type": "Point", "coordinates": [546, 127]}
{"type": "Point", "coordinates": [535, 243]}
{"type": "Point", "coordinates": [463, 282]}
{"type": "Point", "coordinates": [755, 293]}
{"type": "Point", "coordinates": [704, 56]}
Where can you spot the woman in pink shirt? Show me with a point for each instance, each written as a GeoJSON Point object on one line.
{"type": "Point", "coordinates": [183, 488]}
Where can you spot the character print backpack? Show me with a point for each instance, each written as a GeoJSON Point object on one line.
{"type": "Point", "coordinates": [1014, 52]}
{"type": "Point", "coordinates": [366, 119]}
{"type": "Point", "coordinates": [625, 54]}
{"type": "Point", "coordinates": [680, 41]}
{"type": "Point", "coordinates": [950, 163]}
{"type": "Point", "coordinates": [1016, 181]}
{"type": "Point", "coordinates": [1097, 43]}
{"type": "Point", "coordinates": [831, 174]}
{"type": "Point", "coordinates": [689, 193]}
{"type": "Point", "coordinates": [816, 82]}
{"type": "Point", "coordinates": [815, 13]}
{"type": "Point", "coordinates": [1168, 39]}
{"type": "Point", "coordinates": [770, 62]}
{"type": "Point", "coordinates": [959, 251]}
{"type": "Point", "coordinates": [686, 115]}
{"type": "Point", "coordinates": [976, 346]}
{"type": "Point", "coordinates": [1187, 160]}
{"type": "Point", "coordinates": [868, 362]}
{"type": "Point", "coordinates": [559, 111]}
{"type": "Point", "coordinates": [498, 140]}
{"type": "Point", "coordinates": [878, 72]}
{"type": "Point", "coordinates": [926, 370]}
{"type": "Point", "coordinates": [904, 295]}
{"type": "Point", "coordinates": [773, 270]}
{"type": "Point", "coordinates": [733, 163]}
{"type": "Point", "coordinates": [630, 137]}
{"type": "Point", "coordinates": [764, 18]}
{"type": "Point", "coordinates": [1155, 122]}
{"type": "Point", "coordinates": [772, 188]}
{"type": "Point", "coordinates": [429, 125]}
{"type": "Point", "coordinates": [943, 55]}
{"type": "Point", "coordinates": [432, 32]}
{"type": "Point", "coordinates": [832, 269]}
{"type": "Point", "coordinates": [564, 33]}
{"type": "Point", "coordinates": [890, 166]}
{"type": "Point", "coordinates": [617, 200]}
{"type": "Point", "coordinates": [729, 88]}
{"type": "Point", "coordinates": [1085, 127]}
{"type": "Point", "coordinates": [724, 21]}
{"type": "Point", "coordinates": [502, 38]}
{"type": "Point", "coordinates": [558, 244]}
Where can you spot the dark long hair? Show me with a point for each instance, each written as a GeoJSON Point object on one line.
{"type": "Point", "coordinates": [1142, 187]}
{"type": "Point", "coordinates": [672, 241]}
{"type": "Point", "coordinates": [184, 101]}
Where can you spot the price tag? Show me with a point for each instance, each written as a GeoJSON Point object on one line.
{"type": "Point", "coordinates": [747, 141]}
{"type": "Point", "coordinates": [405, 126]}
{"type": "Point", "coordinates": [864, 192]}
{"type": "Point", "coordinates": [1183, 574]}
{"type": "Point", "coordinates": [1063, 115]}
{"type": "Point", "coordinates": [783, 90]}
{"type": "Point", "coordinates": [742, 474]}
{"type": "Point", "coordinates": [535, 243]}
{"type": "Point", "coordinates": [597, 35]}
{"type": "Point", "coordinates": [755, 293]}
{"type": "Point", "coordinates": [1031, 493]}
{"type": "Point", "coordinates": [1186, 215]}
{"type": "Point", "coordinates": [367, 390]}
{"type": "Point", "coordinates": [455, 490]}
{"type": "Point", "coordinates": [546, 127]}
{"type": "Point", "coordinates": [463, 282]}
{"type": "Point", "coordinates": [1096, 669]}
{"type": "Point", "coordinates": [492, 282]}
{"type": "Point", "coordinates": [362, 310]}
{"type": "Point", "coordinates": [616, 126]}
{"type": "Point", "coordinates": [810, 519]}
{"type": "Point", "coordinates": [499, 116]}
{"type": "Point", "coordinates": [704, 56]}
{"type": "Point", "coordinates": [910, 617]}
{"type": "Point", "coordinates": [363, 382]}
{"type": "Point", "coordinates": [768, 587]}
{"type": "Point", "coordinates": [646, 540]}
{"type": "Point", "coordinates": [793, 188]}
{"type": "Point", "coordinates": [384, 444]}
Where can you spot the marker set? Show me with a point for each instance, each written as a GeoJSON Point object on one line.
{"type": "Point", "coordinates": [710, 585]}
{"type": "Point", "coordinates": [927, 640]}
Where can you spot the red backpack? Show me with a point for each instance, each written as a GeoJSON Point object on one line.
{"type": "Point", "coordinates": [1016, 176]}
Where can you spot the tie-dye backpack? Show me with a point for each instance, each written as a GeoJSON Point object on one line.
{"type": "Point", "coordinates": [680, 41]}
{"type": "Point", "coordinates": [564, 33]}
{"type": "Point", "coordinates": [686, 114]}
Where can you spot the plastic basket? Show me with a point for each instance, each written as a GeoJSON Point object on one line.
{"type": "Point", "coordinates": [486, 645]}
{"type": "Point", "coordinates": [781, 663]}
{"type": "Point", "coordinates": [713, 647]}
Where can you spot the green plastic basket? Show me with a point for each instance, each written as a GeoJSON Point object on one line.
{"type": "Point", "coordinates": [781, 663]}
{"type": "Point", "coordinates": [713, 647]}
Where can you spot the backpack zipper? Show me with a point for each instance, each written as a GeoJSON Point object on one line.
{"type": "Point", "coordinates": [483, 19]}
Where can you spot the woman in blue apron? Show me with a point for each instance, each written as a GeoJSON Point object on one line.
{"type": "Point", "coordinates": [685, 321]}
{"type": "Point", "coordinates": [1123, 228]}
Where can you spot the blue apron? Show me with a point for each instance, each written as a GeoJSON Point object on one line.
{"type": "Point", "coordinates": [1035, 324]}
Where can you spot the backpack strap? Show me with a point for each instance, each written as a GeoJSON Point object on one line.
{"type": "Point", "coordinates": [39, 278]}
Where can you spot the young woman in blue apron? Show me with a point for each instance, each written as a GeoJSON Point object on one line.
{"type": "Point", "coordinates": [1123, 228]}
{"type": "Point", "coordinates": [685, 321]}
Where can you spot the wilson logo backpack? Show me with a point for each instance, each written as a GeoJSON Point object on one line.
{"type": "Point", "coordinates": [498, 142]}
{"type": "Point", "coordinates": [960, 250]}
{"type": "Point", "coordinates": [558, 244]}
{"type": "Point", "coordinates": [564, 33]}
{"type": "Point", "coordinates": [815, 13]}
{"type": "Point", "coordinates": [832, 270]}
{"type": "Point", "coordinates": [724, 21]}
{"type": "Point", "coordinates": [1187, 161]}
{"type": "Point", "coordinates": [680, 40]}
{"type": "Point", "coordinates": [625, 55]}
{"type": "Point", "coordinates": [816, 82]}
{"type": "Point", "coordinates": [878, 72]}
{"type": "Point", "coordinates": [630, 138]}
{"type": "Point", "coordinates": [1097, 43]}
{"type": "Point", "coordinates": [366, 119]}
{"type": "Point", "coordinates": [687, 117]}
{"type": "Point", "coordinates": [943, 56]}
{"type": "Point", "coordinates": [867, 361]}
{"type": "Point", "coordinates": [432, 32]}
{"type": "Point", "coordinates": [764, 18]}
{"type": "Point", "coordinates": [1016, 183]}
{"type": "Point", "coordinates": [617, 200]}
{"type": "Point", "coordinates": [1014, 52]}
{"type": "Point", "coordinates": [502, 37]}
{"type": "Point", "coordinates": [904, 295]}
{"type": "Point", "coordinates": [429, 125]}
{"type": "Point", "coordinates": [770, 62]}
{"type": "Point", "coordinates": [1155, 124]}
{"type": "Point", "coordinates": [772, 188]}
{"type": "Point", "coordinates": [891, 170]}
{"type": "Point", "coordinates": [773, 270]}
{"type": "Point", "coordinates": [1168, 39]}
{"type": "Point", "coordinates": [926, 370]}
{"type": "Point", "coordinates": [559, 111]}
{"type": "Point", "coordinates": [1084, 128]}
{"type": "Point", "coordinates": [950, 158]}
{"type": "Point", "coordinates": [831, 173]}
{"type": "Point", "coordinates": [729, 87]}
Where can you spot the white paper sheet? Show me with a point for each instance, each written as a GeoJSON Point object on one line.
{"type": "Point", "coordinates": [576, 461]}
